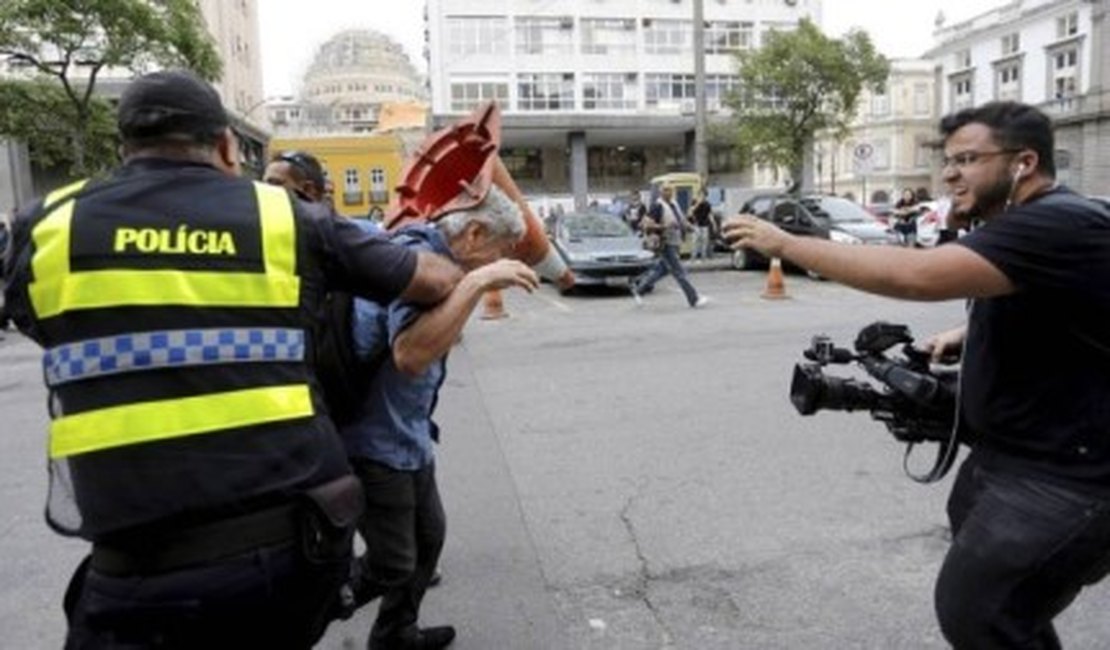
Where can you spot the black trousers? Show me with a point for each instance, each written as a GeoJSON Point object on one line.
{"type": "Point", "coordinates": [1022, 549]}
{"type": "Point", "coordinates": [275, 597]}
{"type": "Point", "coordinates": [404, 527]}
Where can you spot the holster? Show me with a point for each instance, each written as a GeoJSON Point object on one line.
{"type": "Point", "coordinates": [328, 517]}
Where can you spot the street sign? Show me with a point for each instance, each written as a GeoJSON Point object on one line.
{"type": "Point", "coordinates": [862, 158]}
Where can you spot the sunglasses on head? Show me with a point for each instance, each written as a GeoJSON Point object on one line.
{"type": "Point", "coordinates": [305, 163]}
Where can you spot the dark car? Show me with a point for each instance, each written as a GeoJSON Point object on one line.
{"type": "Point", "coordinates": [850, 218]}
{"type": "Point", "coordinates": [826, 217]}
{"type": "Point", "coordinates": [786, 213]}
{"type": "Point", "coordinates": [600, 248]}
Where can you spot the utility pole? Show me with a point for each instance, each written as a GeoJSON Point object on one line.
{"type": "Point", "coordinates": [701, 148]}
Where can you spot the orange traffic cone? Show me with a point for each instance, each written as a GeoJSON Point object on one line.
{"type": "Point", "coordinates": [776, 289]}
{"type": "Point", "coordinates": [493, 308]}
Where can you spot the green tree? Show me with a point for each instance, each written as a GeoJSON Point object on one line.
{"type": "Point", "coordinates": [64, 46]}
{"type": "Point", "coordinates": [799, 83]}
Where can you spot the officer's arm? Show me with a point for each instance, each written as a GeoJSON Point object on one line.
{"type": "Point", "coordinates": [434, 278]}
{"type": "Point", "coordinates": [17, 270]}
{"type": "Point", "coordinates": [369, 265]}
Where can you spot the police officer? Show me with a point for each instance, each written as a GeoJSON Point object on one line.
{"type": "Point", "coordinates": [188, 441]}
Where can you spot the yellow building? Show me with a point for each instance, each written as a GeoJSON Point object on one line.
{"type": "Point", "coordinates": [363, 169]}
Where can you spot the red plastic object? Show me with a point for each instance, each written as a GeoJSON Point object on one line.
{"type": "Point", "coordinates": [451, 170]}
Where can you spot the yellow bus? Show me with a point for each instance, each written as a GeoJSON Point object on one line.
{"type": "Point", "coordinates": [686, 186]}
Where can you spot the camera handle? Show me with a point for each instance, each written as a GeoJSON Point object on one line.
{"type": "Point", "coordinates": [949, 449]}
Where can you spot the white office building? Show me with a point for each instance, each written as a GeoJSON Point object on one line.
{"type": "Point", "coordinates": [595, 93]}
{"type": "Point", "coordinates": [1054, 54]}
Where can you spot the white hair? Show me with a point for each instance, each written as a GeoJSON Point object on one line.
{"type": "Point", "coordinates": [497, 212]}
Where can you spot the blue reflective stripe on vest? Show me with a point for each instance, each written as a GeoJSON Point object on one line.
{"type": "Point", "coordinates": [170, 349]}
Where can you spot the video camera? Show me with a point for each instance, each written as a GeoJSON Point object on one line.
{"type": "Point", "coordinates": [915, 402]}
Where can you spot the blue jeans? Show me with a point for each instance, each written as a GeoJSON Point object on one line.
{"type": "Point", "coordinates": [668, 262]}
{"type": "Point", "coordinates": [1022, 549]}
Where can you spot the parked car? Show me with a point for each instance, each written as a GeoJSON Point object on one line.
{"type": "Point", "coordinates": [786, 213]}
{"type": "Point", "coordinates": [881, 211]}
{"type": "Point", "coordinates": [600, 248]}
{"type": "Point", "coordinates": [850, 218]}
{"type": "Point", "coordinates": [827, 217]}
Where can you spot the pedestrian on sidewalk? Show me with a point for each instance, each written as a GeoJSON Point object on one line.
{"type": "Point", "coordinates": [666, 221]}
{"type": "Point", "coordinates": [701, 215]}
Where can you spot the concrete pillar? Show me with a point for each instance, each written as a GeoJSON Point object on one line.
{"type": "Point", "coordinates": [691, 146]}
{"type": "Point", "coordinates": [16, 182]}
{"type": "Point", "coordinates": [579, 181]}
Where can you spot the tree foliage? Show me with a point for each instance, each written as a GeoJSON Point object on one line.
{"type": "Point", "coordinates": [63, 46]}
{"type": "Point", "coordinates": [798, 83]}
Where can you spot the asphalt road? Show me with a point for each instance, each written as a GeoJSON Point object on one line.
{"type": "Point", "coordinates": [623, 478]}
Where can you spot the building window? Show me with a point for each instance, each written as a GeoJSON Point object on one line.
{"type": "Point", "coordinates": [921, 99]}
{"type": "Point", "coordinates": [545, 92]}
{"type": "Point", "coordinates": [467, 35]}
{"type": "Point", "coordinates": [1011, 44]}
{"type": "Point", "coordinates": [728, 37]}
{"type": "Point", "coordinates": [719, 90]}
{"type": "Point", "coordinates": [609, 162]}
{"type": "Point", "coordinates": [1067, 25]}
{"type": "Point", "coordinates": [962, 92]}
{"type": "Point", "coordinates": [352, 194]}
{"type": "Point", "coordinates": [609, 91]}
{"type": "Point", "coordinates": [379, 192]}
{"type": "Point", "coordinates": [608, 36]}
{"type": "Point", "coordinates": [1008, 81]}
{"type": "Point", "coordinates": [922, 151]}
{"type": "Point", "coordinates": [668, 36]}
{"type": "Point", "coordinates": [770, 27]}
{"type": "Point", "coordinates": [545, 35]}
{"type": "Point", "coordinates": [880, 102]}
{"type": "Point", "coordinates": [523, 164]}
{"type": "Point", "coordinates": [1064, 74]}
{"type": "Point", "coordinates": [669, 89]}
{"type": "Point", "coordinates": [880, 155]}
{"type": "Point", "coordinates": [723, 160]}
{"type": "Point", "coordinates": [465, 96]}
{"type": "Point", "coordinates": [963, 60]}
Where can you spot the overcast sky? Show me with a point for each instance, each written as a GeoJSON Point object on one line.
{"type": "Point", "coordinates": [291, 31]}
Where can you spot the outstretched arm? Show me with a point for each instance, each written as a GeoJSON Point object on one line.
{"type": "Point", "coordinates": [941, 273]}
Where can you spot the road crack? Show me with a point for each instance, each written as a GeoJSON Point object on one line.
{"type": "Point", "coordinates": [641, 586]}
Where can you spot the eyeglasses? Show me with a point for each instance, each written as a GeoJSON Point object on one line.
{"type": "Point", "coordinates": [966, 158]}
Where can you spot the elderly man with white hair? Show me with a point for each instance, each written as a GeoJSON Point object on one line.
{"type": "Point", "coordinates": [390, 444]}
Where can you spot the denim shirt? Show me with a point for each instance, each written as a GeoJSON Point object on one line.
{"type": "Point", "coordinates": [395, 426]}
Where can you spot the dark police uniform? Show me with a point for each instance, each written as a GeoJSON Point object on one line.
{"type": "Point", "coordinates": [188, 438]}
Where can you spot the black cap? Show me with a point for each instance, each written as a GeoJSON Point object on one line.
{"type": "Point", "coordinates": [171, 102]}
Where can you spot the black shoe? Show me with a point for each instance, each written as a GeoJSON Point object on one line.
{"type": "Point", "coordinates": [427, 638]}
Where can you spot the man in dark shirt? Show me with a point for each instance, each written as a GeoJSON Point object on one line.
{"type": "Point", "coordinates": [1030, 508]}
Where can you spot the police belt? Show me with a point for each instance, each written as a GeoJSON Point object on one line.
{"type": "Point", "coordinates": [200, 544]}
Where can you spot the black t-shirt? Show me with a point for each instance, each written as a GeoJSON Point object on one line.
{"type": "Point", "coordinates": [702, 212]}
{"type": "Point", "coordinates": [1036, 371]}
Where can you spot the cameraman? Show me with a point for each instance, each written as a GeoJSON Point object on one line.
{"type": "Point", "coordinates": [1030, 507]}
